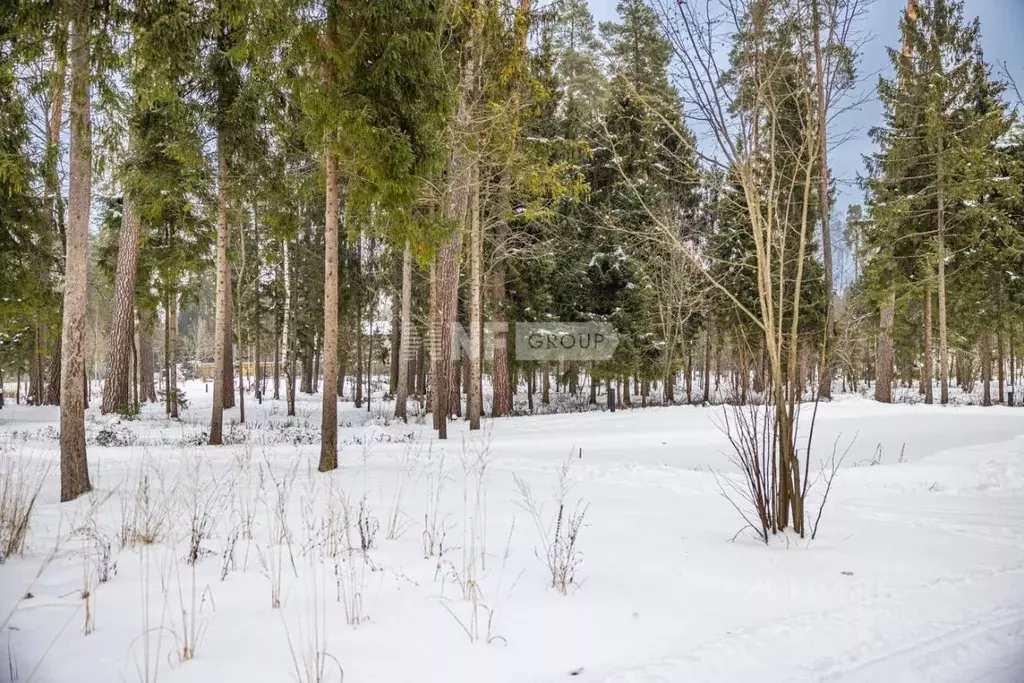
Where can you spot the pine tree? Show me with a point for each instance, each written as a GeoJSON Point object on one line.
{"type": "Point", "coordinates": [937, 151]}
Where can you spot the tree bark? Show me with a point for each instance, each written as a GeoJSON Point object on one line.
{"type": "Point", "coordinates": [53, 203]}
{"type": "Point", "coordinates": [827, 365]}
{"type": "Point", "coordinates": [171, 353]}
{"type": "Point", "coordinates": [396, 328]}
{"type": "Point", "coordinates": [329, 424]}
{"type": "Point", "coordinates": [928, 371]}
{"type": "Point", "coordinates": [227, 375]}
{"type": "Point", "coordinates": [447, 281]}
{"type": "Point", "coordinates": [706, 379]}
{"type": "Point", "coordinates": [35, 370]}
{"type": "Point", "coordinates": [1001, 360]}
{"type": "Point", "coordinates": [883, 371]}
{"type": "Point", "coordinates": [116, 393]}
{"type": "Point", "coordinates": [53, 377]}
{"type": "Point", "coordinates": [943, 340]}
{"type": "Point", "coordinates": [74, 467]}
{"type": "Point", "coordinates": [405, 337]}
{"type": "Point", "coordinates": [501, 401]}
{"type": "Point", "coordinates": [147, 392]}
{"type": "Point", "coordinates": [286, 340]}
{"type": "Point", "coordinates": [986, 369]}
{"type": "Point", "coordinates": [474, 389]}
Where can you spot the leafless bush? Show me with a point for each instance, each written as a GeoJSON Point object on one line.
{"type": "Point", "coordinates": [368, 526]}
{"type": "Point", "coordinates": [750, 430]}
{"type": "Point", "coordinates": [280, 533]}
{"type": "Point", "coordinates": [248, 489]}
{"type": "Point", "coordinates": [145, 509]}
{"type": "Point", "coordinates": [192, 628]}
{"type": "Point", "coordinates": [98, 546]}
{"type": "Point", "coordinates": [351, 562]}
{"type": "Point", "coordinates": [202, 500]}
{"type": "Point", "coordinates": [21, 480]}
{"type": "Point", "coordinates": [227, 555]}
{"type": "Point", "coordinates": [558, 537]}
{"type": "Point", "coordinates": [433, 525]}
{"type": "Point", "coordinates": [407, 465]}
{"type": "Point", "coordinates": [827, 473]}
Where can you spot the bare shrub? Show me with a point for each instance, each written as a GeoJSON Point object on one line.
{"type": "Point", "coordinates": [558, 537]}
{"type": "Point", "coordinates": [192, 628]}
{"type": "Point", "coordinates": [751, 431]}
{"type": "Point", "coordinates": [368, 526]}
{"type": "Point", "coordinates": [407, 465]}
{"type": "Point", "coordinates": [145, 508]}
{"type": "Point", "coordinates": [202, 500]}
{"type": "Point", "coordinates": [433, 525]}
{"type": "Point", "coordinates": [21, 481]}
{"type": "Point", "coordinates": [351, 562]}
{"type": "Point", "coordinates": [276, 510]}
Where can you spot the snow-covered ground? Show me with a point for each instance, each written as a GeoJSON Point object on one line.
{"type": "Point", "coordinates": [917, 573]}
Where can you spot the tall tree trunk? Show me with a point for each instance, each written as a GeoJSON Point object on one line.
{"type": "Point", "coordinates": [35, 371]}
{"type": "Point", "coordinates": [405, 337]}
{"type": "Point", "coordinates": [447, 281]}
{"type": "Point", "coordinates": [434, 336]}
{"type": "Point", "coordinates": [277, 362]}
{"type": "Point", "coordinates": [706, 379]}
{"type": "Point", "coordinates": [53, 376]}
{"type": "Point", "coordinates": [689, 371]}
{"type": "Point", "coordinates": [943, 340]}
{"type": "Point", "coordinates": [358, 397]}
{"type": "Point", "coordinates": [53, 203]}
{"type": "Point", "coordinates": [421, 371]}
{"type": "Point", "coordinates": [474, 388]}
{"type": "Point", "coordinates": [74, 467]}
{"type": "Point", "coordinates": [147, 392]}
{"type": "Point", "coordinates": [170, 348]}
{"type": "Point", "coordinates": [286, 340]}
{"type": "Point", "coordinates": [116, 394]}
{"type": "Point", "coordinates": [227, 374]}
{"type": "Point", "coordinates": [1001, 359]}
{"type": "Point", "coordinates": [883, 371]}
{"type": "Point", "coordinates": [986, 369]}
{"type": "Point", "coordinates": [396, 327]}
{"type": "Point", "coordinates": [827, 364]}
{"type": "Point", "coordinates": [501, 401]}
{"type": "Point", "coordinates": [329, 424]}
{"type": "Point", "coordinates": [928, 371]}
{"type": "Point", "coordinates": [135, 365]}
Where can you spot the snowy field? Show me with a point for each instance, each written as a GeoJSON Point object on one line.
{"type": "Point", "coordinates": [421, 561]}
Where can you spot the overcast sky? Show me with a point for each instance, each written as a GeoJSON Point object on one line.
{"type": "Point", "coordinates": [1002, 31]}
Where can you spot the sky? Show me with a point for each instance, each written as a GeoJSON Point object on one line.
{"type": "Point", "coordinates": [1002, 38]}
